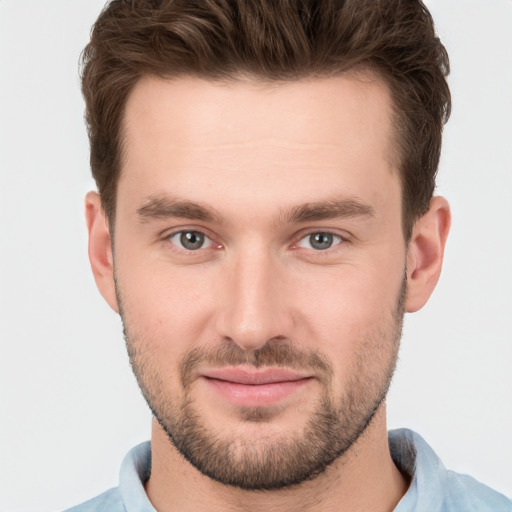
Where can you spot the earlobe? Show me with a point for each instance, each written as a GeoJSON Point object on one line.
{"type": "Point", "coordinates": [425, 253]}
{"type": "Point", "coordinates": [100, 249]}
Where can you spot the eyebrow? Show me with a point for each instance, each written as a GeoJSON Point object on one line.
{"type": "Point", "coordinates": [344, 208]}
{"type": "Point", "coordinates": [163, 207]}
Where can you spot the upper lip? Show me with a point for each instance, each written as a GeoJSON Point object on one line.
{"type": "Point", "coordinates": [254, 376]}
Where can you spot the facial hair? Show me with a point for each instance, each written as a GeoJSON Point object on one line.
{"type": "Point", "coordinates": [269, 462]}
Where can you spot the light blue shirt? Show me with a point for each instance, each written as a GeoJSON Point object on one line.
{"type": "Point", "coordinates": [432, 489]}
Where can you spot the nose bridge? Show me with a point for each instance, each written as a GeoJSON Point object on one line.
{"type": "Point", "coordinates": [251, 312]}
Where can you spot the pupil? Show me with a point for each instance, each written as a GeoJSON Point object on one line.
{"type": "Point", "coordinates": [192, 240]}
{"type": "Point", "coordinates": [321, 241]}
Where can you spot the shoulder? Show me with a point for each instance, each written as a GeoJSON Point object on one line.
{"type": "Point", "coordinates": [130, 495]}
{"type": "Point", "coordinates": [432, 487]}
{"type": "Point", "coordinates": [110, 500]}
{"type": "Point", "coordinates": [463, 492]}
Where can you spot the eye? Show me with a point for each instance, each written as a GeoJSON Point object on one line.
{"type": "Point", "coordinates": [190, 240]}
{"type": "Point", "coordinates": [319, 241]}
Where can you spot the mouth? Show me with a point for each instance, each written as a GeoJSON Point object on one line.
{"type": "Point", "coordinates": [252, 387]}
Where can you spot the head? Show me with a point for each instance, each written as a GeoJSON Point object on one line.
{"type": "Point", "coordinates": [267, 171]}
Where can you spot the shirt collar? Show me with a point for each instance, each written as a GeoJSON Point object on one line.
{"type": "Point", "coordinates": [414, 457]}
{"type": "Point", "coordinates": [135, 471]}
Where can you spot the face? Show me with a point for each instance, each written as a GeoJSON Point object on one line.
{"type": "Point", "coordinates": [259, 264]}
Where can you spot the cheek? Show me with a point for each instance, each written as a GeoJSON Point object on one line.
{"type": "Point", "coordinates": [353, 313]}
{"type": "Point", "coordinates": [165, 309]}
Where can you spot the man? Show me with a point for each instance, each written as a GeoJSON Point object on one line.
{"type": "Point", "coordinates": [265, 217]}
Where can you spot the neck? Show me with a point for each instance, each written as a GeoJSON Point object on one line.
{"type": "Point", "coordinates": [363, 478]}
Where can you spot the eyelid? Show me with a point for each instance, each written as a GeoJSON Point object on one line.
{"type": "Point", "coordinates": [168, 234]}
{"type": "Point", "coordinates": [213, 242]}
{"type": "Point", "coordinates": [342, 236]}
{"type": "Point", "coordinates": [336, 239]}
{"type": "Point", "coordinates": [207, 241]}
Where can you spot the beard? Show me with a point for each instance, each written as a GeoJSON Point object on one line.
{"type": "Point", "coordinates": [269, 461]}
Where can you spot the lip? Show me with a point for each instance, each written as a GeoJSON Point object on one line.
{"type": "Point", "coordinates": [254, 376]}
{"type": "Point", "coordinates": [255, 387]}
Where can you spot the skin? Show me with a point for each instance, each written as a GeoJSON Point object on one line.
{"type": "Point", "coordinates": [253, 154]}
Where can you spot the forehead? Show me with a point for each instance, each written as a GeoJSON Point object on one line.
{"type": "Point", "coordinates": [262, 139]}
{"type": "Point", "coordinates": [231, 110]}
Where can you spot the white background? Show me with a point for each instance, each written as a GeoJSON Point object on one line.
{"type": "Point", "coordinates": [69, 406]}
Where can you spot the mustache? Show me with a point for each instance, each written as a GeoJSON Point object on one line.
{"type": "Point", "coordinates": [275, 353]}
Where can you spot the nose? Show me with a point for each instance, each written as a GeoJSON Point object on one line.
{"type": "Point", "coordinates": [253, 306]}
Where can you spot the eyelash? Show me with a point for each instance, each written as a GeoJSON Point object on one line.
{"type": "Point", "coordinates": [183, 250]}
{"type": "Point", "coordinates": [336, 241]}
{"type": "Point", "coordinates": [341, 240]}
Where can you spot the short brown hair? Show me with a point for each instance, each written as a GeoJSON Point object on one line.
{"type": "Point", "coordinates": [271, 40]}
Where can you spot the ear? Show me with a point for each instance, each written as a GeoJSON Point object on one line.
{"type": "Point", "coordinates": [425, 253]}
{"type": "Point", "coordinates": [100, 249]}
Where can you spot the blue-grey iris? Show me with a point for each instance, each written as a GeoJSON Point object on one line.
{"type": "Point", "coordinates": [321, 241]}
{"type": "Point", "coordinates": [192, 240]}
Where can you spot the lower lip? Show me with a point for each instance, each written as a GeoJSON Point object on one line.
{"type": "Point", "coordinates": [257, 395]}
